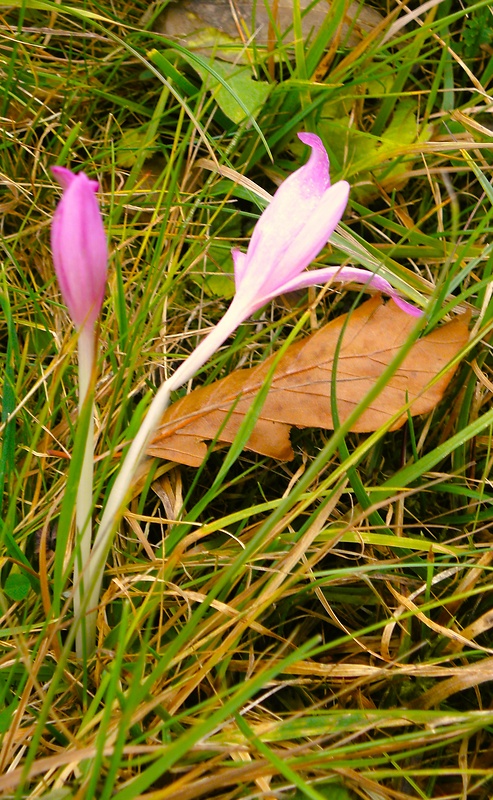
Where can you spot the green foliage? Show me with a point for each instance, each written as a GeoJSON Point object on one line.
{"type": "Point", "coordinates": [17, 586]}
{"type": "Point", "coordinates": [478, 31]}
{"type": "Point", "coordinates": [240, 86]}
{"type": "Point", "coordinates": [371, 162]}
{"type": "Point", "coordinates": [320, 628]}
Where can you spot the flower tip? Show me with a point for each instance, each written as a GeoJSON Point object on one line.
{"type": "Point", "coordinates": [63, 175]}
{"type": "Point", "coordinates": [408, 308]}
{"type": "Point", "coordinates": [66, 177]}
{"type": "Point", "coordinates": [316, 170]}
{"type": "Point", "coordinates": [343, 190]}
{"type": "Point", "coordinates": [312, 140]}
{"type": "Point", "coordinates": [240, 265]}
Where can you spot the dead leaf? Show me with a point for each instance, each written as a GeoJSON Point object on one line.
{"type": "Point", "coordinates": [300, 391]}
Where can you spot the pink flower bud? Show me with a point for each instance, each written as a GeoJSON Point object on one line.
{"type": "Point", "coordinates": [79, 247]}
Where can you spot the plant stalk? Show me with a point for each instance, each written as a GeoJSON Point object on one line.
{"type": "Point", "coordinates": [118, 495]}
{"type": "Point", "coordinates": [84, 505]}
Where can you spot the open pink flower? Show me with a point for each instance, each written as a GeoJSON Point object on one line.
{"type": "Point", "coordinates": [291, 232]}
{"type": "Point", "coordinates": [79, 246]}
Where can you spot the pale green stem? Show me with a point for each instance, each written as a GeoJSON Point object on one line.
{"type": "Point", "coordinates": [118, 495]}
{"type": "Point", "coordinates": [83, 513]}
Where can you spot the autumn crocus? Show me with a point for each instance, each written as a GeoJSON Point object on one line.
{"type": "Point", "coordinates": [290, 233]}
{"type": "Point", "coordinates": [79, 247]}
{"type": "Point", "coordinates": [80, 257]}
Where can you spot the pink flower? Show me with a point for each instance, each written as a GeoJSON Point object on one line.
{"type": "Point", "coordinates": [291, 232]}
{"type": "Point", "coordinates": [79, 247]}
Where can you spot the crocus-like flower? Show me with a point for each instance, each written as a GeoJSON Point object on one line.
{"type": "Point", "coordinates": [79, 247]}
{"type": "Point", "coordinates": [80, 256]}
{"type": "Point", "coordinates": [302, 216]}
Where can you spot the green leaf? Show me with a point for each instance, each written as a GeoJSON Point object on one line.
{"type": "Point", "coordinates": [216, 282]}
{"type": "Point", "coordinates": [387, 158]}
{"type": "Point", "coordinates": [17, 586]}
{"type": "Point", "coordinates": [251, 93]}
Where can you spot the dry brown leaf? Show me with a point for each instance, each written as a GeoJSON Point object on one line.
{"type": "Point", "coordinates": [300, 390]}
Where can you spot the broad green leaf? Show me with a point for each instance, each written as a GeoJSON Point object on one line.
{"type": "Point", "coordinates": [17, 586]}
{"type": "Point", "coordinates": [252, 93]}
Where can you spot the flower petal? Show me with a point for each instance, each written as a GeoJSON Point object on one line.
{"type": "Point", "coordinates": [290, 209]}
{"type": "Point", "coordinates": [65, 177]}
{"type": "Point", "coordinates": [315, 233]}
{"type": "Point", "coordinates": [347, 275]}
{"type": "Point", "coordinates": [240, 265]}
{"type": "Point", "coordinates": [318, 163]}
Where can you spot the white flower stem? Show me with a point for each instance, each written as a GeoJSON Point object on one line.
{"type": "Point", "coordinates": [118, 495]}
{"type": "Point", "coordinates": [83, 513]}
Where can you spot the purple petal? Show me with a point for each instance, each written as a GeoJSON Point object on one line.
{"type": "Point", "coordinates": [315, 233]}
{"type": "Point", "coordinates": [64, 176]}
{"type": "Point", "coordinates": [405, 306]}
{"type": "Point", "coordinates": [347, 275]}
{"type": "Point", "coordinates": [80, 252]}
{"type": "Point", "coordinates": [240, 265]}
{"type": "Point", "coordinates": [319, 161]}
{"type": "Point", "coordinates": [290, 209]}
